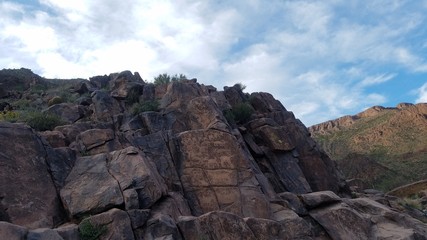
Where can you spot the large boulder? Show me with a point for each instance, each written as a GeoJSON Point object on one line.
{"type": "Point", "coordinates": [28, 195]}
{"type": "Point", "coordinates": [104, 106]}
{"type": "Point", "coordinates": [132, 170]}
{"type": "Point", "coordinates": [215, 225]}
{"type": "Point", "coordinates": [217, 175]}
{"type": "Point", "coordinates": [90, 188]}
{"type": "Point", "coordinates": [68, 112]}
{"type": "Point", "coordinates": [113, 224]}
{"type": "Point", "coordinates": [12, 232]}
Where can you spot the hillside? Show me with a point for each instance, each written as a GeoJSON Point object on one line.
{"type": "Point", "coordinates": [385, 147]}
{"type": "Point", "coordinates": [116, 157]}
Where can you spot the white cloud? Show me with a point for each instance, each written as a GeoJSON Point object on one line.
{"type": "Point", "coordinates": [422, 94]}
{"type": "Point", "coordinates": [378, 79]}
{"type": "Point", "coordinates": [319, 58]}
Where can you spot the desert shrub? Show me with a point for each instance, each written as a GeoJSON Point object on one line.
{"type": "Point", "coordinates": [242, 112]}
{"type": "Point", "coordinates": [145, 107]}
{"type": "Point", "coordinates": [240, 86]}
{"type": "Point", "coordinates": [166, 78]}
{"type": "Point", "coordinates": [55, 100]}
{"type": "Point", "coordinates": [229, 116]}
{"type": "Point", "coordinates": [42, 121]}
{"type": "Point", "coordinates": [88, 231]}
{"type": "Point", "coordinates": [133, 95]}
{"type": "Point", "coordinates": [9, 116]}
{"type": "Point", "coordinates": [22, 104]}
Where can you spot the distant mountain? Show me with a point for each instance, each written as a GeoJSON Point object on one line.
{"type": "Point", "coordinates": [383, 147]}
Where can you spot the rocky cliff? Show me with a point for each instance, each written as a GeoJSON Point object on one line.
{"type": "Point", "coordinates": [131, 160]}
{"type": "Point", "coordinates": [384, 147]}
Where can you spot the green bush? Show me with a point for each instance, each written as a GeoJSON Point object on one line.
{"type": "Point", "coordinates": [242, 112]}
{"type": "Point", "coordinates": [133, 96]}
{"type": "Point", "coordinates": [145, 107]}
{"type": "Point", "coordinates": [55, 100]}
{"type": "Point", "coordinates": [88, 231]}
{"type": "Point", "coordinates": [9, 116]}
{"type": "Point", "coordinates": [165, 78]}
{"type": "Point", "coordinates": [42, 121]}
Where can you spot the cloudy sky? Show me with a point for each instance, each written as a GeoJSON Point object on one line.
{"type": "Point", "coordinates": [321, 59]}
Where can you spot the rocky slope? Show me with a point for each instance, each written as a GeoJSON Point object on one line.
{"type": "Point", "coordinates": [197, 167]}
{"type": "Point", "coordinates": [384, 147]}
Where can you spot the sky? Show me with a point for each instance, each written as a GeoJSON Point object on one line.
{"type": "Point", "coordinates": [321, 59]}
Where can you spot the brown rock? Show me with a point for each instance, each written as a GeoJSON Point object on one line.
{"type": "Point", "coordinates": [269, 229]}
{"type": "Point", "coordinates": [69, 231]}
{"type": "Point", "coordinates": [138, 217]}
{"type": "Point", "coordinates": [352, 225]}
{"type": "Point", "coordinates": [68, 112]}
{"type": "Point", "coordinates": [116, 223]}
{"type": "Point", "coordinates": [276, 138]}
{"type": "Point", "coordinates": [315, 199]}
{"type": "Point", "coordinates": [161, 226]}
{"type": "Point", "coordinates": [131, 169]}
{"type": "Point", "coordinates": [54, 138]}
{"type": "Point", "coordinates": [215, 225]}
{"type": "Point", "coordinates": [71, 131]}
{"type": "Point", "coordinates": [44, 234]}
{"type": "Point", "coordinates": [95, 137]}
{"type": "Point", "coordinates": [104, 106]}
{"type": "Point", "coordinates": [216, 175]}
{"type": "Point", "coordinates": [90, 177]}
{"type": "Point", "coordinates": [12, 232]}
{"type": "Point", "coordinates": [28, 195]}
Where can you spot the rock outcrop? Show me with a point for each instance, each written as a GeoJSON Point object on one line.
{"type": "Point", "coordinates": [187, 170]}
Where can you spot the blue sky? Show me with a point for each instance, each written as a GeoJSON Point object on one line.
{"type": "Point", "coordinates": [321, 59]}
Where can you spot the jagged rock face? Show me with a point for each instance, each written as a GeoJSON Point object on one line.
{"type": "Point", "coordinates": [185, 172]}
{"type": "Point", "coordinates": [27, 194]}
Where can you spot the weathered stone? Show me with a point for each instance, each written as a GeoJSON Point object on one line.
{"type": "Point", "coordinates": [203, 113]}
{"type": "Point", "coordinates": [174, 205]}
{"type": "Point", "coordinates": [131, 199]}
{"type": "Point", "coordinates": [116, 223]}
{"type": "Point", "coordinates": [69, 231]}
{"type": "Point", "coordinates": [83, 87]}
{"type": "Point", "coordinates": [95, 137]}
{"type": "Point", "coordinates": [60, 165]}
{"type": "Point", "coordinates": [28, 195]}
{"type": "Point", "coordinates": [125, 83]}
{"type": "Point", "coordinates": [315, 199]}
{"type": "Point", "coordinates": [156, 147]}
{"type": "Point", "coordinates": [100, 81]}
{"type": "Point", "coordinates": [269, 229]}
{"type": "Point", "coordinates": [138, 217]}
{"type": "Point", "coordinates": [54, 138]}
{"type": "Point", "coordinates": [388, 223]}
{"type": "Point", "coordinates": [208, 152]}
{"type": "Point", "coordinates": [68, 112]}
{"type": "Point", "coordinates": [276, 138]}
{"type": "Point", "coordinates": [214, 225]}
{"type": "Point", "coordinates": [234, 95]}
{"type": "Point", "coordinates": [90, 177]}
{"type": "Point", "coordinates": [12, 232]}
{"type": "Point", "coordinates": [131, 169]}
{"type": "Point", "coordinates": [161, 226]}
{"type": "Point", "coordinates": [287, 171]}
{"type": "Point", "coordinates": [294, 202]}
{"type": "Point", "coordinates": [71, 131]}
{"type": "Point", "coordinates": [104, 107]}
{"type": "Point", "coordinates": [352, 225]}
{"type": "Point", "coordinates": [43, 234]}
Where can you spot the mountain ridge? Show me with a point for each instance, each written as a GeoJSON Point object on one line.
{"type": "Point", "coordinates": [394, 138]}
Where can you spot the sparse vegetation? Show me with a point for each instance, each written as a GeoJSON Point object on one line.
{"type": "Point", "coordinates": [166, 78]}
{"type": "Point", "coordinates": [242, 112]}
{"type": "Point", "coordinates": [145, 107]}
{"type": "Point", "coordinates": [9, 116]}
{"type": "Point", "coordinates": [42, 121]}
{"type": "Point", "coordinates": [89, 231]}
{"type": "Point", "coordinates": [55, 100]}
